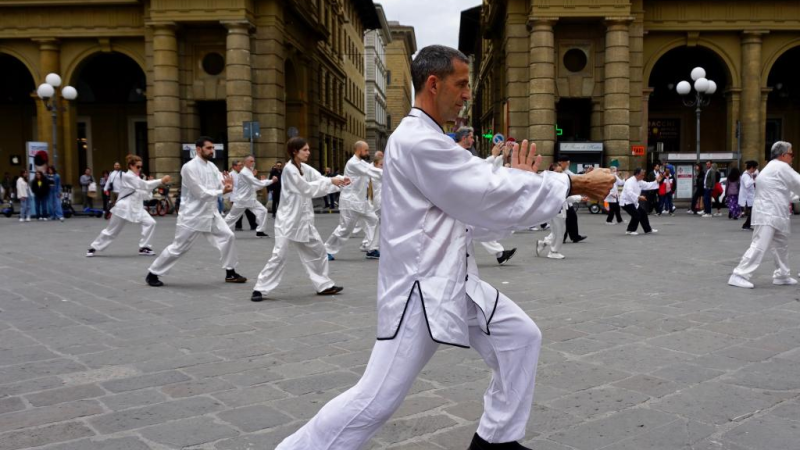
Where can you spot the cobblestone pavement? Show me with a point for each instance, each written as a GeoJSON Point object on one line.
{"type": "Point", "coordinates": [645, 346]}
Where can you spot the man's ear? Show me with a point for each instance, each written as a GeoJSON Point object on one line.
{"type": "Point", "coordinates": [432, 83]}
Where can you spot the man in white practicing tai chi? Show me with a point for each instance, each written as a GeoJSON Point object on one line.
{"type": "Point", "coordinates": [201, 185]}
{"type": "Point", "coordinates": [429, 292]}
{"type": "Point", "coordinates": [465, 137]}
{"type": "Point", "coordinates": [776, 186]}
{"type": "Point", "coordinates": [244, 197]}
{"type": "Point", "coordinates": [354, 206]}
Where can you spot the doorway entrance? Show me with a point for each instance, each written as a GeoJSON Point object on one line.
{"type": "Point", "coordinates": [213, 121]}
{"type": "Point", "coordinates": [573, 120]}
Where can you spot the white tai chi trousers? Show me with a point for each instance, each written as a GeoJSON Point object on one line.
{"type": "Point", "coordinates": [365, 242]}
{"type": "Point", "coordinates": [493, 247]}
{"type": "Point", "coordinates": [114, 228]}
{"type": "Point", "coordinates": [312, 255]}
{"type": "Point", "coordinates": [512, 351]}
{"type": "Point", "coordinates": [259, 210]}
{"type": "Point", "coordinates": [558, 225]}
{"type": "Point", "coordinates": [347, 221]}
{"type": "Point", "coordinates": [220, 237]}
{"type": "Point", "coordinates": [765, 238]}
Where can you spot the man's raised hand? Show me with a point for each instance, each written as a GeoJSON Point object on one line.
{"type": "Point", "coordinates": [595, 184]}
{"type": "Point", "coordinates": [524, 157]}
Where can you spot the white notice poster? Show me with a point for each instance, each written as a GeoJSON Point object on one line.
{"type": "Point", "coordinates": [684, 178]}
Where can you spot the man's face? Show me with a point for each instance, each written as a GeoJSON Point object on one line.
{"type": "Point", "coordinates": [117, 166]}
{"type": "Point", "coordinates": [206, 151]}
{"type": "Point", "coordinates": [787, 157]}
{"type": "Point", "coordinates": [327, 170]}
{"type": "Point", "coordinates": [279, 165]}
{"type": "Point", "coordinates": [453, 91]}
{"type": "Point", "coordinates": [708, 164]}
{"type": "Point", "coordinates": [363, 151]}
{"type": "Point", "coordinates": [469, 140]}
{"type": "Point", "coordinates": [564, 164]}
{"type": "Point", "coordinates": [88, 171]}
{"type": "Point", "coordinates": [250, 162]}
{"type": "Point", "coordinates": [640, 176]}
{"type": "Point", "coordinates": [238, 167]}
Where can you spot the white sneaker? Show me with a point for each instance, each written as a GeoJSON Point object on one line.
{"type": "Point", "coordinates": [653, 231]}
{"type": "Point", "coordinates": [554, 255]}
{"type": "Point", "coordinates": [610, 223]}
{"type": "Point", "coordinates": [21, 220]}
{"type": "Point", "coordinates": [533, 229]}
{"type": "Point", "coordinates": [540, 244]}
{"type": "Point", "coordinates": [45, 219]}
{"type": "Point", "coordinates": [631, 233]}
{"type": "Point", "coordinates": [788, 281]}
{"type": "Point", "coordinates": [736, 280]}
{"type": "Point", "coordinates": [27, 219]}
{"type": "Point", "coordinates": [706, 215]}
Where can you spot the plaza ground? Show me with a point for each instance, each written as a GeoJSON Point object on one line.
{"type": "Point", "coordinates": [645, 346]}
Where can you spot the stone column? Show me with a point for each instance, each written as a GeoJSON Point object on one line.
{"type": "Point", "coordinates": [644, 129]}
{"type": "Point", "coordinates": [596, 123]}
{"type": "Point", "coordinates": [269, 85]}
{"type": "Point", "coordinates": [542, 99]}
{"type": "Point", "coordinates": [517, 45]}
{"type": "Point", "coordinates": [762, 127]}
{"type": "Point", "coordinates": [50, 62]}
{"type": "Point", "coordinates": [733, 99]}
{"type": "Point", "coordinates": [617, 101]}
{"type": "Point", "coordinates": [166, 102]}
{"type": "Point", "coordinates": [238, 88]}
{"type": "Point", "coordinates": [750, 114]}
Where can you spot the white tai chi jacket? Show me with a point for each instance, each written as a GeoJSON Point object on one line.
{"type": "Point", "coordinates": [747, 189]}
{"type": "Point", "coordinates": [354, 196]}
{"type": "Point", "coordinates": [377, 187]}
{"type": "Point", "coordinates": [133, 191]}
{"type": "Point", "coordinates": [633, 189]}
{"type": "Point", "coordinates": [201, 184]}
{"type": "Point", "coordinates": [246, 187]}
{"type": "Point", "coordinates": [431, 207]}
{"type": "Point", "coordinates": [777, 183]}
{"type": "Point", "coordinates": [295, 217]}
{"type": "Point", "coordinates": [613, 194]}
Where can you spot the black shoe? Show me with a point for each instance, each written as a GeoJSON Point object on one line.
{"type": "Point", "coordinates": [152, 280]}
{"type": "Point", "coordinates": [479, 444]}
{"type": "Point", "coordinates": [580, 238]}
{"type": "Point", "coordinates": [507, 254]}
{"type": "Point", "coordinates": [374, 254]}
{"type": "Point", "coordinates": [90, 252]}
{"type": "Point", "coordinates": [331, 290]}
{"type": "Point", "coordinates": [260, 234]}
{"type": "Point", "coordinates": [256, 296]}
{"type": "Point", "coordinates": [233, 277]}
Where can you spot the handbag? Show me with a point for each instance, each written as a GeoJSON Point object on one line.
{"type": "Point", "coordinates": [92, 187]}
{"type": "Point", "coordinates": [717, 190]}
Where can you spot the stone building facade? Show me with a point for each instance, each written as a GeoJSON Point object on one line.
{"type": "Point", "coordinates": [152, 75]}
{"type": "Point", "coordinates": [398, 78]}
{"type": "Point", "coordinates": [605, 71]}
{"type": "Point", "coordinates": [375, 42]}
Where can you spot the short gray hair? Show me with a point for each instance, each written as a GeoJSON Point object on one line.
{"type": "Point", "coordinates": [463, 132]}
{"type": "Point", "coordinates": [434, 60]}
{"type": "Point", "coordinates": [235, 162]}
{"type": "Point", "coordinates": [779, 148]}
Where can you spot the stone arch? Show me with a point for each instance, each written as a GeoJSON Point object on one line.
{"type": "Point", "coordinates": [774, 57]}
{"type": "Point", "coordinates": [734, 79]}
{"type": "Point", "coordinates": [32, 69]}
{"type": "Point", "coordinates": [74, 67]}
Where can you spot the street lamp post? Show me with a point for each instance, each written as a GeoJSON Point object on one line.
{"type": "Point", "coordinates": [704, 88]}
{"type": "Point", "coordinates": [47, 92]}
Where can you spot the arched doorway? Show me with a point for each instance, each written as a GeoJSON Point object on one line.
{"type": "Point", "coordinates": [111, 111]}
{"type": "Point", "coordinates": [783, 102]}
{"type": "Point", "coordinates": [18, 110]}
{"type": "Point", "coordinates": [671, 124]}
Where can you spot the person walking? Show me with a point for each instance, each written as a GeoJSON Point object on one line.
{"type": "Point", "coordinates": [245, 197]}
{"type": "Point", "coordinates": [613, 199]}
{"type": "Point", "coordinates": [777, 184]}
{"type": "Point", "coordinates": [294, 224]}
{"type": "Point", "coordinates": [23, 194]}
{"type": "Point", "coordinates": [85, 180]}
{"type": "Point", "coordinates": [665, 191]}
{"type": "Point", "coordinates": [698, 193]}
{"type": "Point", "coordinates": [41, 194]}
{"type": "Point", "coordinates": [201, 186]}
{"type": "Point", "coordinates": [275, 173]}
{"type": "Point", "coordinates": [629, 200]}
{"type": "Point", "coordinates": [54, 196]}
{"type": "Point", "coordinates": [709, 181]}
{"type": "Point", "coordinates": [732, 194]}
{"type": "Point", "coordinates": [747, 191]}
{"type": "Point", "coordinates": [129, 208]}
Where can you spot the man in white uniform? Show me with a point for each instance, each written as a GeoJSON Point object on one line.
{"type": "Point", "coordinates": [201, 185]}
{"type": "Point", "coordinates": [244, 197]}
{"type": "Point", "coordinates": [428, 289]}
{"type": "Point", "coordinates": [776, 186]}
{"type": "Point", "coordinates": [629, 201]}
{"type": "Point", "coordinates": [353, 204]}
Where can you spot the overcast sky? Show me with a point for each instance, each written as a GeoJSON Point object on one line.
{"type": "Point", "coordinates": [434, 21]}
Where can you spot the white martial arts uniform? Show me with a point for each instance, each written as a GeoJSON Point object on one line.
{"type": "Point", "coordinates": [493, 247]}
{"type": "Point", "coordinates": [353, 205]}
{"type": "Point", "coordinates": [133, 191]}
{"type": "Point", "coordinates": [771, 220]}
{"type": "Point", "coordinates": [375, 205]}
{"type": "Point", "coordinates": [244, 197]}
{"type": "Point", "coordinates": [201, 185]}
{"type": "Point", "coordinates": [747, 189]}
{"type": "Point", "coordinates": [294, 223]}
{"type": "Point", "coordinates": [558, 225]}
{"type": "Point", "coordinates": [428, 289]}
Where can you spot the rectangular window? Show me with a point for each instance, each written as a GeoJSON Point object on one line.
{"type": "Point", "coordinates": [388, 77]}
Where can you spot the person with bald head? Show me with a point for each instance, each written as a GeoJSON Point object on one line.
{"type": "Point", "coordinates": [354, 205]}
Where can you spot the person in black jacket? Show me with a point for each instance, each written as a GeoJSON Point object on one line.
{"type": "Point", "coordinates": [700, 176]}
{"type": "Point", "coordinates": [276, 171]}
{"type": "Point", "coordinates": [41, 190]}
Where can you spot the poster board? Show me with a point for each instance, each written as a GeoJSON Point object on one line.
{"type": "Point", "coordinates": [684, 177]}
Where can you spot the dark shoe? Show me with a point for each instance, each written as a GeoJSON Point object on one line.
{"type": "Point", "coordinates": [374, 254]}
{"type": "Point", "coordinates": [233, 277]}
{"type": "Point", "coordinates": [256, 296]}
{"type": "Point", "coordinates": [90, 252]}
{"type": "Point", "coordinates": [260, 234]}
{"type": "Point", "coordinates": [331, 290]}
{"type": "Point", "coordinates": [331, 258]}
{"type": "Point", "coordinates": [479, 444]}
{"type": "Point", "coordinates": [145, 251]}
{"type": "Point", "coordinates": [580, 238]}
{"type": "Point", "coordinates": [152, 280]}
{"type": "Point", "coordinates": [507, 255]}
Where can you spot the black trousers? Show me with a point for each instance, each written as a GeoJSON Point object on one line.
{"type": "Point", "coordinates": [572, 225]}
{"type": "Point", "coordinates": [637, 215]}
{"type": "Point", "coordinates": [613, 209]}
{"type": "Point", "coordinates": [276, 201]}
{"type": "Point", "coordinates": [749, 212]}
{"type": "Point", "coordinates": [251, 218]}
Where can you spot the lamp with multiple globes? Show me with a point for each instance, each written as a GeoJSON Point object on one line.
{"type": "Point", "coordinates": [47, 92]}
{"type": "Point", "coordinates": [703, 88]}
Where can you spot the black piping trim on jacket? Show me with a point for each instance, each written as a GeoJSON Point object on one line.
{"type": "Point", "coordinates": [491, 316]}
{"type": "Point", "coordinates": [425, 312]}
{"type": "Point", "coordinates": [429, 116]}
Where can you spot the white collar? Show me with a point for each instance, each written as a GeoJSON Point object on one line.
{"type": "Point", "coordinates": [420, 114]}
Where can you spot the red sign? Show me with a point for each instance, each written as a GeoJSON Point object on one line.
{"type": "Point", "coordinates": [637, 150]}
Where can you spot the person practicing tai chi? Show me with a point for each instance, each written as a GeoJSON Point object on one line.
{"type": "Point", "coordinates": [572, 214]}
{"type": "Point", "coordinates": [777, 185]}
{"type": "Point", "coordinates": [129, 208]}
{"type": "Point", "coordinates": [294, 223]}
{"type": "Point", "coordinates": [244, 197]}
{"type": "Point", "coordinates": [557, 226]}
{"type": "Point", "coordinates": [613, 199]}
{"type": "Point", "coordinates": [429, 292]}
{"type": "Point", "coordinates": [201, 185]}
{"type": "Point", "coordinates": [353, 204]}
{"type": "Point", "coordinates": [374, 197]}
{"type": "Point", "coordinates": [629, 200]}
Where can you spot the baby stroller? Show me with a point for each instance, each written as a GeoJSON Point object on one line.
{"type": "Point", "coordinates": [7, 209]}
{"type": "Point", "coordinates": [66, 201]}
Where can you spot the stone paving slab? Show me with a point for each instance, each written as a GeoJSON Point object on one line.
{"type": "Point", "coordinates": [645, 347]}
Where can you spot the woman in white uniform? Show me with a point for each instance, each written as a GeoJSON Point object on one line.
{"type": "Point", "coordinates": [129, 207]}
{"type": "Point", "coordinates": [294, 223]}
